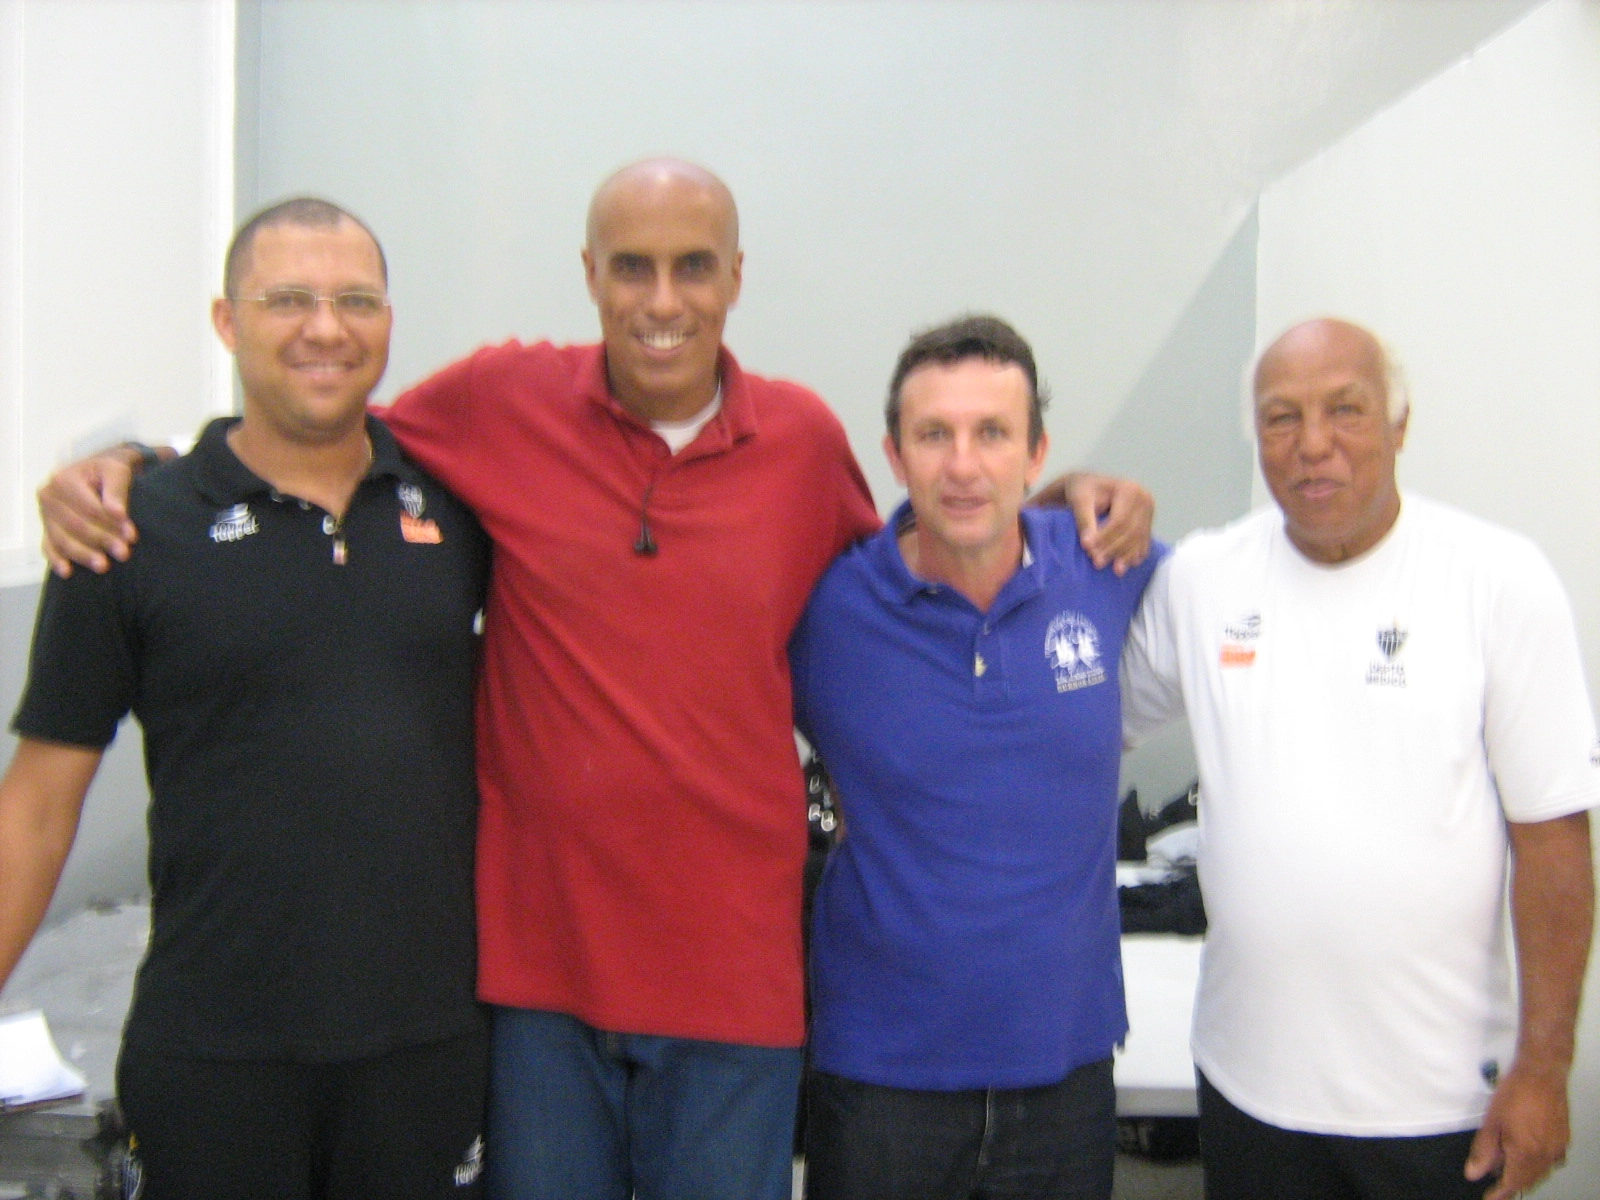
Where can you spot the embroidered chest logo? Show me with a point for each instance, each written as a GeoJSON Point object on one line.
{"type": "Point", "coordinates": [1594, 753]}
{"type": "Point", "coordinates": [233, 524]}
{"type": "Point", "coordinates": [1072, 648]}
{"type": "Point", "coordinates": [472, 1165]}
{"type": "Point", "coordinates": [1389, 672]}
{"type": "Point", "coordinates": [1239, 639]}
{"type": "Point", "coordinates": [413, 526]}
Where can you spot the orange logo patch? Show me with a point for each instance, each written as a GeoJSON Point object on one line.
{"type": "Point", "coordinates": [1236, 656]}
{"type": "Point", "coordinates": [416, 529]}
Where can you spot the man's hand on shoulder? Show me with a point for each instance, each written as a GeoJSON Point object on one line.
{"type": "Point", "coordinates": [1114, 516]}
{"type": "Point", "coordinates": [84, 507]}
{"type": "Point", "coordinates": [1524, 1134]}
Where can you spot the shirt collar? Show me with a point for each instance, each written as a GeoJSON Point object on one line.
{"type": "Point", "coordinates": [904, 586]}
{"type": "Point", "coordinates": [224, 480]}
{"type": "Point", "coordinates": [734, 422]}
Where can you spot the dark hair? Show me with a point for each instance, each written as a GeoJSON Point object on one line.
{"type": "Point", "coordinates": [308, 211]}
{"type": "Point", "coordinates": [988, 338]}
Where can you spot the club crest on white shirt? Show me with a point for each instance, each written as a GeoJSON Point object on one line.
{"type": "Point", "coordinates": [233, 524]}
{"type": "Point", "coordinates": [1072, 648]}
{"type": "Point", "coordinates": [1389, 672]}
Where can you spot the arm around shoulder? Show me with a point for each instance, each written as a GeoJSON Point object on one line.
{"type": "Point", "coordinates": [84, 508]}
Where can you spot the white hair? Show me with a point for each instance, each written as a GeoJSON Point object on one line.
{"type": "Point", "coordinates": [1396, 389]}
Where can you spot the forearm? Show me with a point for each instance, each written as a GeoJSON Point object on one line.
{"type": "Point", "coordinates": [1552, 914]}
{"type": "Point", "coordinates": [41, 797]}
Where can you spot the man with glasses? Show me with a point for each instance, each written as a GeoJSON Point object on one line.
{"type": "Point", "coordinates": [296, 636]}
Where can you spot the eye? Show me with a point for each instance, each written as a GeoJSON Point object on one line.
{"type": "Point", "coordinates": [697, 265]}
{"type": "Point", "coordinates": [630, 266]}
{"type": "Point", "coordinates": [289, 301]}
{"type": "Point", "coordinates": [360, 304]}
{"type": "Point", "coordinates": [931, 434]}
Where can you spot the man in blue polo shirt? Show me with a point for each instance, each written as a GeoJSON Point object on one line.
{"type": "Point", "coordinates": [958, 674]}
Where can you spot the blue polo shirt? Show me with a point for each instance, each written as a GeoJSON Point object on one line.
{"type": "Point", "coordinates": [965, 933]}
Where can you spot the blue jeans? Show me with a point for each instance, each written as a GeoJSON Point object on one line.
{"type": "Point", "coordinates": [576, 1113]}
{"type": "Point", "coordinates": [866, 1142]}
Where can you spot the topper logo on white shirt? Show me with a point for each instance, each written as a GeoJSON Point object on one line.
{"type": "Point", "coordinates": [1389, 673]}
{"type": "Point", "coordinates": [1072, 648]}
{"type": "Point", "coordinates": [1239, 639]}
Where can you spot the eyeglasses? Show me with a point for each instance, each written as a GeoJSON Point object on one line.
{"type": "Point", "coordinates": [299, 303]}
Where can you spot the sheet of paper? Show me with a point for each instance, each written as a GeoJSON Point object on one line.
{"type": "Point", "coordinates": [32, 1070]}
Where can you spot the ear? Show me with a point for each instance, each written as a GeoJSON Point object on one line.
{"type": "Point", "coordinates": [1400, 430]}
{"type": "Point", "coordinates": [222, 322]}
{"type": "Point", "coordinates": [892, 453]}
{"type": "Point", "coordinates": [1036, 458]}
{"type": "Point", "coordinates": [738, 276]}
{"type": "Point", "coordinates": [589, 269]}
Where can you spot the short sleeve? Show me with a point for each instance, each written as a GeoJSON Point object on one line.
{"type": "Point", "coordinates": [1152, 691]}
{"type": "Point", "coordinates": [432, 421]}
{"type": "Point", "coordinates": [81, 673]}
{"type": "Point", "coordinates": [1539, 727]}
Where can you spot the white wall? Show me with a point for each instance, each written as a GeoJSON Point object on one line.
{"type": "Point", "coordinates": [116, 201]}
{"type": "Point", "coordinates": [1075, 166]}
{"type": "Point", "coordinates": [1463, 224]}
{"type": "Point", "coordinates": [116, 132]}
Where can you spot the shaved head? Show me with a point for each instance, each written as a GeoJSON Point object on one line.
{"type": "Point", "coordinates": [654, 180]}
{"type": "Point", "coordinates": [663, 266]}
{"type": "Point", "coordinates": [1359, 347]}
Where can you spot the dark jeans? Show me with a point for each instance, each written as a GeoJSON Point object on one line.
{"type": "Point", "coordinates": [577, 1113]}
{"type": "Point", "coordinates": [1247, 1159]}
{"type": "Point", "coordinates": [405, 1125]}
{"type": "Point", "coordinates": [1056, 1142]}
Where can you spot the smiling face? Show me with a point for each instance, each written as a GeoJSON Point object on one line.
{"type": "Point", "coordinates": [306, 377]}
{"type": "Point", "coordinates": [664, 267]}
{"type": "Point", "coordinates": [1327, 444]}
{"type": "Point", "coordinates": [963, 455]}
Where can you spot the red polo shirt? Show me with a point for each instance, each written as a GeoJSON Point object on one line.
{"type": "Point", "coordinates": [642, 829]}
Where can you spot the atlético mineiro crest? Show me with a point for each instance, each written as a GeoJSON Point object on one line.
{"type": "Point", "coordinates": [1072, 648]}
{"type": "Point", "coordinates": [411, 499]}
{"type": "Point", "coordinates": [1389, 673]}
{"type": "Point", "coordinates": [1390, 641]}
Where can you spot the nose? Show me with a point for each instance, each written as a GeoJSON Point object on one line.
{"type": "Point", "coordinates": [664, 302]}
{"type": "Point", "coordinates": [1316, 436]}
{"type": "Point", "coordinates": [962, 462]}
{"type": "Point", "coordinates": [323, 322]}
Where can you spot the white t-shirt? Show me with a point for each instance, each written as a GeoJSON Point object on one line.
{"type": "Point", "coordinates": [678, 434]}
{"type": "Point", "coordinates": [1351, 725]}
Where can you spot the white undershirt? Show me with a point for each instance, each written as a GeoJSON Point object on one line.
{"type": "Point", "coordinates": [678, 434]}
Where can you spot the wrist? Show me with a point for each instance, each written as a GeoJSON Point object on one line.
{"type": "Point", "coordinates": [141, 457]}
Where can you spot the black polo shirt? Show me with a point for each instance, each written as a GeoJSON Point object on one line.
{"type": "Point", "coordinates": [306, 694]}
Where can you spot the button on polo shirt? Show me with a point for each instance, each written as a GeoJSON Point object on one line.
{"type": "Point", "coordinates": [308, 738]}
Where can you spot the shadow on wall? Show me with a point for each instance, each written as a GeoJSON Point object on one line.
{"type": "Point", "coordinates": [1179, 433]}
{"type": "Point", "coordinates": [107, 863]}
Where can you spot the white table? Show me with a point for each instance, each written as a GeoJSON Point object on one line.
{"type": "Point", "coordinates": [1154, 1071]}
